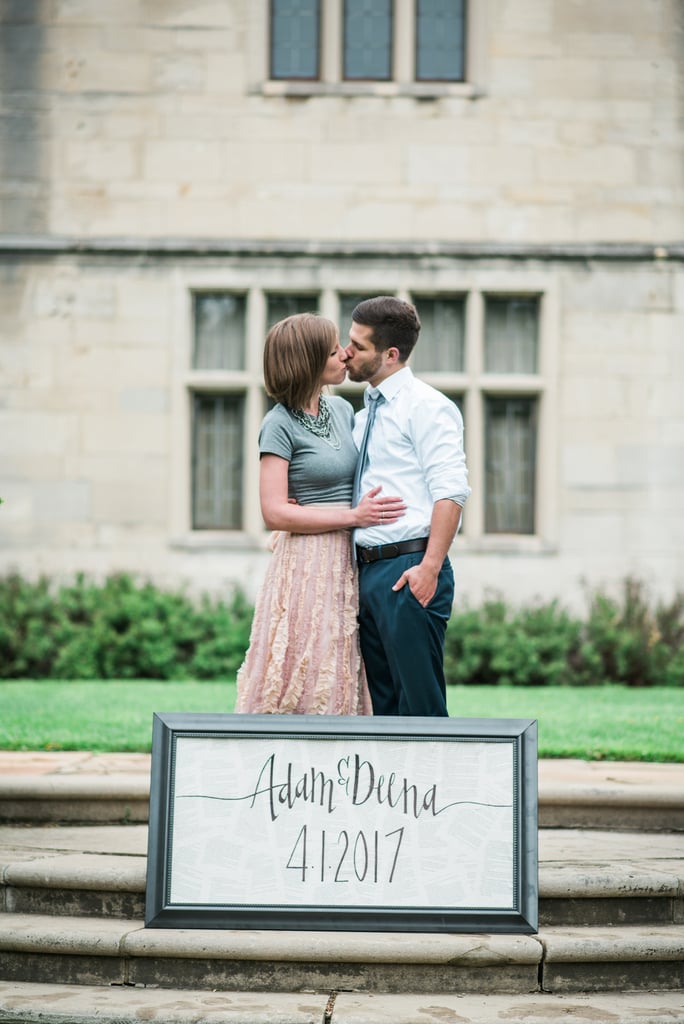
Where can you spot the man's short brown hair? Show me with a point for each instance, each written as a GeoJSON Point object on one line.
{"type": "Point", "coordinates": [395, 323]}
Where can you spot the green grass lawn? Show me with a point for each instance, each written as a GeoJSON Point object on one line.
{"type": "Point", "coordinates": [610, 722]}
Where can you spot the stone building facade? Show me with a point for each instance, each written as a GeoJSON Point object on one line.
{"type": "Point", "coordinates": [176, 175]}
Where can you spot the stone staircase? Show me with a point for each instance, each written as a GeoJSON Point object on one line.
{"type": "Point", "coordinates": [73, 948]}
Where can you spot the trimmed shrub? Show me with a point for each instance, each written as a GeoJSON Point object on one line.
{"type": "Point", "coordinates": [620, 641]}
{"type": "Point", "coordinates": [532, 646]}
{"type": "Point", "coordinates": [121, 629]}
{"type": "Point", "coordinates": [124, 629]}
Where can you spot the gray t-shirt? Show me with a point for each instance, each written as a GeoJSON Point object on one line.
{"type": "Point", "coordinates": [318, 474]}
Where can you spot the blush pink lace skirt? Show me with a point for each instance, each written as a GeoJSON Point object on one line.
{"type": "Point", "coordinates": [304, 656]}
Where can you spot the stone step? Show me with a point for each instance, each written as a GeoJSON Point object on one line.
{"type": "Point", "coordinates": [611, 920]}
{"type": "Point", "coordinates": [102, 951]}
{"type": "Point", "coordinates": [114, 788]}
{"type": "Point", "coordinates": [586, 878]}
{"type": "Point", "coordinates": [29, 1003]}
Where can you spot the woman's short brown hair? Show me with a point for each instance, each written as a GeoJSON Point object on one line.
{"type": "Point", "coordinates": [295, 353]}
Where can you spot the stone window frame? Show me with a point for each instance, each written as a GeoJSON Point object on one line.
{"type": "Point", "coordinates": [473, 383]}
{"type": "Point", "coordinates": [402, 84]}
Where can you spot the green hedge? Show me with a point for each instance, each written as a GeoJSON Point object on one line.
{"type": "Point", "coordinates": [124, 629]}
{"type": "Point", "coordinates": [618, 641]}
{"type": "Point", "coordinates": [118, 630]}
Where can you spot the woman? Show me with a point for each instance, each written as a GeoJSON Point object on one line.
{"type": "Point", "coordinates": [303, 656]}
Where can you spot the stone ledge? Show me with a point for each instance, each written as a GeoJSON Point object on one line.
{"type": "Point", "coordinates": [167, 246]}
{"type": "Point", "coordinates": [634, 945]}
{"type": "Point", "coordinates": [107, 937]}
{"type": "Point", "coordinates": [75, 787]}
{"type": "Point", "coordinates": [79, 871]}
{"type": "Point", "coordinates": [127, 873]}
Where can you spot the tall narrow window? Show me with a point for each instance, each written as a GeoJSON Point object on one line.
{"type": "Point", "coordinates": [219, 342]}
{"type": "Point", "coordinates": [440, 343]}
{"type": "Point", "coordinates": [280, 306]}
{"type": "Point", "coordinates": [511, 345]}
{"type": "Point", "coordinates": [511, 334]}
{"type": "Point", "coordinates": [217, 443]}
{"type": "Point", "coordinates": [368, 39]}
{"type": "Point", "coordinates": [510, 464]}
{"type": "Point", "coordinates": [295, 42]}
{"type": "Point", "coordinates": [348, 301]}
{"type": "Point", "coordinates": [440, 36]}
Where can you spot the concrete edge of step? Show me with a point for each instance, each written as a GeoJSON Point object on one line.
{"type": "Point", "coordinates": [103, 937]}
{"type": "Point", "coordinates": [74, 787]}
{"type": "Point", "coordinates": [106, 937]}
{"type": "Point", "coordinates": [135, 788]}
{"type": "Point", "coordinates": [26, 1003]}
{"type": "Point", "coordinates": [126, 873]}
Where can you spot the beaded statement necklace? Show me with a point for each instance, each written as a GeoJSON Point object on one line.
{"type": "Point", "coordinates": [322, 425]}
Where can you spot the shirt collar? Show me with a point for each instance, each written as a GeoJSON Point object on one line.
{"type": "Point", "coordinates": [393, 384]}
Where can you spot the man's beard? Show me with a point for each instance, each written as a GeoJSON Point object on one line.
{"type": "Point", "coordinates": [368, 370]}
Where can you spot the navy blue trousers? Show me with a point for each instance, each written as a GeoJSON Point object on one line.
{"type": "Point", "coordinates": [402, 643]}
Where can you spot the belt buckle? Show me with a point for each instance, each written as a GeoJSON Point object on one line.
{"type": "Point", "coordinates": [369, 555]}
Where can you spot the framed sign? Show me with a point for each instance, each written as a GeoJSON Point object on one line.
{"type": "Point", "coordinates": [354, 823]}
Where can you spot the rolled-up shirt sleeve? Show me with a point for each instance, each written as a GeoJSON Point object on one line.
{"type": "Point", "coordinates": [437, 431]}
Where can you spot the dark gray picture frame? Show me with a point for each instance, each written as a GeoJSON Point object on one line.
{"type": "Point", "coordinates": [177, 896]}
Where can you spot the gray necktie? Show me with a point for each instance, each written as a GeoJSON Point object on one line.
{"type": "Point", "coordinates": [374, 401]}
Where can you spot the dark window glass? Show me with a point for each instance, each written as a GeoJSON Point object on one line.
{"type": "Point", "coordinates": [510, 464]}
{"type": "Point", "coordinates": [295, 38]}
{"type": "Point", "coordinates": [280, 306]}
{"type": "Point", "coordinates": [355, 398]}
{"type": "Point", "coordinates": [440, 34]}
{"type": "Point", "coordinates": [368, 39]}
{"type": "Point", "coordinates": [217, 446]}
{"type": "Point", "coordinates": [511, 334]}
{"type": "Point", "coordinates": [348, 301]}
{"type": "Point", "coordinates": [441, 339]}
{"type": "Point", "coordinates": [219, 342]}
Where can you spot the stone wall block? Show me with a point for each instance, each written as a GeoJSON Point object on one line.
{"type": "Point", "coordinates": [83, 71]}
{"type": "Point", "coordinates": [152, 401]}
{"type": "Point", "coordinates": [61, 501]}
{"type": "Point", "coordinates": [202, 14]}
{"type": "Point", "coordinates": [129, 501]}
{"type": "Point", "coordinates": [592, 464]}
{"type": "Point", "coordinates": [620, 290]}
{"type": "Point", "coordinates": [182, 161]}
{"type": "Point", "coordinates": [123, 433]}
{"type": "Point", "coordinates": [436, 165]}
{"type": "Point", "coordinates": [100, 160]}
{"type": "Point", "coordinates": [597, 166]}
{"type": "Point", "coordinates": [72, 296]}
{"type": "Point", "coordinates": [179, 72]}
{"type": "Point", "coordinates": [39, 433]}
{"type": "Point", "coordinates": [576, 17]}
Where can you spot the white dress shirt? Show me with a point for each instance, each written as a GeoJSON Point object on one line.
{"type": "Point", "coordinates": [415, 451]}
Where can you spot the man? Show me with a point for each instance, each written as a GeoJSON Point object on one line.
{"type": "Point", "coordinates": [415, 449]}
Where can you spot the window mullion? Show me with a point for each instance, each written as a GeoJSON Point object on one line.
{"type": "Point", "coordinates": [547, 437]}
{"type": "Point", "coordinates": [331, 36]}
{"type": "Point", "coordinates": [404, 41]}
{"type": "Point", "coordinates": [473, 520]}
{"type": "Point", "coordinates": [254, 410]}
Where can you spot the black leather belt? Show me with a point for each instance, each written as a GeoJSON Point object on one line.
{"type": "Point", "coordinates": [404, 547]}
